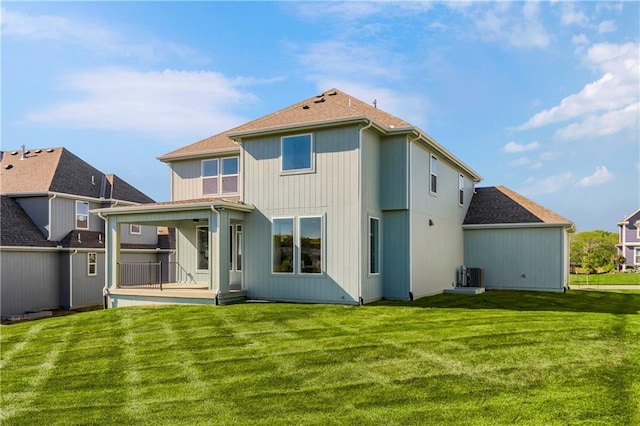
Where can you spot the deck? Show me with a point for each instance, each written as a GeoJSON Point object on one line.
{"type": "Point", "coordinates": [172, 293]}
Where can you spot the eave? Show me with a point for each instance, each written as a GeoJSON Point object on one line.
{"type": "Point", "coordinates": [173, 207]}
{"type": "Point", "coordinates": [568, 225]}
{"type": "Point", "coordinates": [198, 154]}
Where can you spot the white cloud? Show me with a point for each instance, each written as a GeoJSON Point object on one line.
{"type": "Point", "coordinates": [572, 15]}
{"type": "Point", "coordinates": [579, 39]}
{"type": "Point", "coordinates": [606, 27]}
{"type": "Point", "coordinates": [522, 161]}
{"type": "Point", "coordinates": [166, 103]}
{"type": "Point", "coordinates": [92, 36]}
{"type": "Point", "coordinates": [547, 185]}
{"type": "Point", "coordinates": [600, 176]}
{"type": "Point", "coordinates": [602, 125]}
{"type": "Point", "coordinates": [610, 101]}
{"type": "Point", "coordinates": [512, 147]}
{"type": "Point", "coordinates": [498, 22]}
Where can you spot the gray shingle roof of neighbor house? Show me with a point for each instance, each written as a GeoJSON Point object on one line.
{"type": "Point", "coordinates": [17, 229]}
{"type": "Point", "coordinates": [499, 205]}
{"type": "Point", "coordinates": [59, 170]}
{"type": "Point", "coordinates": [328, 108]}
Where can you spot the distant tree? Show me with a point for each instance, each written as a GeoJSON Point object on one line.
{"type": "Point", "coordinates": [594, 250]}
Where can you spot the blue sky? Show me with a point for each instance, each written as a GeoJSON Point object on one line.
{"type": "Point", "coordinates": [542, 97]}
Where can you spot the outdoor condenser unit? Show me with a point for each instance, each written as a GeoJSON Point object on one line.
{"type": "Point", "coordinates": [475, 277]}
{"type": "Point", "coordinates": [462, 276]}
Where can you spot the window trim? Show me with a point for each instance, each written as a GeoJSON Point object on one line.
{"type": "Point", "coordinates": [370, 246]}
{"type": "Point", "coordinates": [78, 202]}
{"type": "Point", "coordinates": [299, 245]}
{"type": "Point", "coordinates": [94, 263]}
{"type": "Point", "coordinates": [636, 256]}
{"type": "Point", "coordinates": [132, 232]}
{"type": "Point", "coordinates": [312, 159]}
{"type": "Point", "coordinates": [219, 176]}
{"type": "Point", "coordinates": [293, 254]}
{"type": "Point", "coordinates": [433, 174]}
{"type": "Point", "coordinates": [460, 189]}
{"type": "Point", "coordinates": [198, 269]}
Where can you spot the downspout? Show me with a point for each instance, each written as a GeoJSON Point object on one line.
{"type": "Point", "coordinates": [360, 208]}
{"type": "Point", "coordinates": [71, 253]}
{"type": "Point", "coordinates": [211, 263]}
{"type": "Point", "coordinates": [105, 289]}
{"type": "Point", "coordinates": [54, 195]}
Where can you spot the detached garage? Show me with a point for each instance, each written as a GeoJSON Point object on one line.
{"type": "Point", "coordinates": [519, 244]}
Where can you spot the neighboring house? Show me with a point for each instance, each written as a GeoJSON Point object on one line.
{"type": "Point", "coordinates": [52, 249]}
{"type": "Point", "coordinates": [331, 200]}
{"type": "Point", "coordinates": [629, 239]}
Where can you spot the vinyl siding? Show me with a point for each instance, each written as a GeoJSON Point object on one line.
{"type": "Point", "coordinates": [38, 210]}
{"type": "Point", "coordinates": [393, 179]}
{"type": "Point", "coordinates": [186, 178]}
{"type": "Point", "coordinates": [395, 254]}
{"type": "Point", "coordinates": [436, 250]}
{"type": "Point", "coordinates": [148, 235]}
{"type": "Point", "coordinates": [63, 217]}
{"type": "Point", "coordinates": [331, 191]}
{"type": "Point", "coordinates": [29, 281]}
{"type": "Point", "coordinates": [540, 254]}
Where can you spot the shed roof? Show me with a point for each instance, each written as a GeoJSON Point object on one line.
{"type": "Point", "coordinates": [497, 205]}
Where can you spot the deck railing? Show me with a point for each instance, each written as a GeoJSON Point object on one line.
{"type": "Point", "coordinates": [151, 274]}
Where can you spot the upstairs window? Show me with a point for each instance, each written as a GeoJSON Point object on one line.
{"type": "Point", "coordinates": [220, 176]}
{"type": "Point", "coordinates": [297, 153]}
{"type": "Point", "coordinates": [82, 215]}
{"type": "Point", "coordinates": [92, 264]}
{"type": "Point", "coordinates": [135, 229]}
{"type": "Point", "coordinates": [461, 189]}
{"type": "Point", "coordinates": [433, 170]}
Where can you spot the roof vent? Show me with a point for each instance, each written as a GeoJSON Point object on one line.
{"type": "Point", "coordinates": [93, 180]}
{"type": "Point", "coordinates": [333, 93]}
{"type": "Point", "coordinates": [8, 166]}
{"type": "Point", "coordinates": [318, 101]}
{"type": "Point", "coordinates": [24, 153]}
{"type": "Point", "coordinates": [14, 152]}
{"type": "Point", "coordinates": [375, 103]}
{"type": "Point", "coordinates": [79, 239]}
{"type": "Point", "coordinates": [305, 107]}
{"type": "Point", "coordinates": [38, 151]}
{"type": "Point", "coordinates": [50, 150]}
{"type": "Point", "coordinates": [320, 95]}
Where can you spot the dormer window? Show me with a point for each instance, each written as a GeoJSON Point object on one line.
{"type": "Point", "coordinates": [220, 176]}
{"type": "Point", "coordinates": [82, 215]}
{"type": "Point", "coordinates": [297, 153]}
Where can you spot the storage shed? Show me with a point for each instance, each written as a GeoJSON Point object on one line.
{"type": "Point", "coordinates": [519, 244]}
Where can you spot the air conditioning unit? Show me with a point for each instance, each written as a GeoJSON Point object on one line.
{"type": "Point", "coordinates": [462, 276]}
{"type": "Point", "coordinates": [475, 277]}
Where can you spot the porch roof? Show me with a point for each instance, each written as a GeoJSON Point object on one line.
{"type": "Point", "coordinates": [231, 203]}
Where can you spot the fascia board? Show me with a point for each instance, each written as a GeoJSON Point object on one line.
{"type": "Point", "coordinates": [238, 136]}
{"type": "Point", "coordinates": [144, 208]}
{"type": "Point", "coordinates": [198, 154]}
{"type": "Point", "coordinates": [568, 225]}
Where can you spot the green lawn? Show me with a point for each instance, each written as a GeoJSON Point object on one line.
{"type": "Point", "coordinates": [497, 358]}
{"type": "Point", "coordinates": [620, 278]}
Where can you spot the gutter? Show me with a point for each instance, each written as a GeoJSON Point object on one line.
{"type": "Point", "coordinates": [148, 208]}
{"type": "Point", "coordinates": [569, 226]}
{"type": "Point", "coordinates": [360, 207]}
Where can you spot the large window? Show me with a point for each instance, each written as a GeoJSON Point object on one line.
{"type": "Point", "coordinates": [82, 215]}
{"type": "Point", "coordinates": [220, 176]}
{"type": "Point", "coordinates": [374, 245]}
{"type": "Point", "coordinates": [297, 153]}
{"type": "Point", "coordinates": [92, 264]}
{"type": "Point", "coordinates": [433, 170]}
{"type": "Point", "coordinates": [282, 235]}
{"type": "Point", "coordinates": [202, 247]}
{"type": "Point", "coordinates": [310, 237]}
{"type": "Point", "coordinates": [461, 189]}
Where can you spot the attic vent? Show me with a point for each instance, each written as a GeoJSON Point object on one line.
{"type": "Point", "coordinates": [317, 101]}
{"type": "Point", "coordinates": [50, 150]}
{"type": "Point", "coordinates": [8, 166]}
{"type": "Point", "coordinates": [305, 107]}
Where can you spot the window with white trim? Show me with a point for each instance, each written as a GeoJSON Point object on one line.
{"type": "Point", "coordinates": [92, 264]}
{"type": "Point", "coordinates": [220, 176]}
{"type": "Point", "coordinates": [433, 172]}
{"type": "Point", "coordinates": [296, 153]}
{"type": "Point", "coordinates": [310, 243]}
{"type": "Point", "coordinates": [202, 247]}
{"type": "Point", "coordinates": [374, 245]}
{"type": "Point", "coordinates": [282, 245]}
{"type": "Point", "coordinates": [637, 256]}
{"type": "Point", "coordinates": [82, 215]}
{"type": "Point", "coordinates": [638, 229]}
{"type": "Point", "coordinates": [460, 189]}
{"type": "Point", "coordinates": [135, 229]}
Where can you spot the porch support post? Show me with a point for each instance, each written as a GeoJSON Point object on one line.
{"type": "Point", "coordinates": [113, 252]}
{"type": "Point", "coordinates": [223, 255]}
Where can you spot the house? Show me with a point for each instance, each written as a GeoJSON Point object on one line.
{"type": "Point", "coordinates": [52, 249]}
{"type": "Point", "coordinates": [629, 240]}
{"type": "Point", "coordinates": [330, 200]}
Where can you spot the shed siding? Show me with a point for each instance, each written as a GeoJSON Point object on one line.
{"type": "Point", "coordinates": [395, 254]}
{"type": "Point", "coordinates": [29, 281]}
{"type": "Point", "coordinates": [436, 250]}
{"type": "Point", "coordinates": [331, 191]}
{"type": "Point", "coordinates": [394, 179]}
{"type": "Point", "coordinates": [523, 259]}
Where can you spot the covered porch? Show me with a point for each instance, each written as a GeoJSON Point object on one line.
{"type": "Point", "coordinates": [206, 267]}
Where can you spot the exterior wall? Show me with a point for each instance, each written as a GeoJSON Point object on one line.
{"type": "Point", "coordinates": [331, 191]}
{"type": "Point", "coordinates": [395, 254]}
{"type": "Point", "coordinates": [394, 178]}
{"type": "Point", "coordinates": [148, 235]}
{"type": "Point", "coordinates": [436, 249]}
{"type": "Point", "coordinates": [29, 281]}
{"type": "Point", "coordinates": [519, 258]}
{"type": "Point", "coordinates": [63, 217]}
{"type": "Point", "coordinates": [186, 178]}
{"type": "Point", "coordinates": [87, 289]}
{"type": "Point", "coordinates": [38, 210]}
{"type": "Point", "coordinates": [187, 251]}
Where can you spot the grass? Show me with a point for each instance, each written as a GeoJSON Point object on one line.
{"type": "Point", "coordinates": [614, 278]}
{"type": "Point", "coordinates": [497, 358]}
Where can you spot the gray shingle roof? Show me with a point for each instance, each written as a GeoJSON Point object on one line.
{"type": "Point", "coordinates": [499, 205]}
{"type": "Point", "coordinates": [17, 229]}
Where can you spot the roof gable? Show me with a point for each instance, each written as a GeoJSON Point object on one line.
{"type": "Point", "coordinates": [499, 205]}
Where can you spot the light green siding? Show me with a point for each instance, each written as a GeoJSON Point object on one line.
{"type": "Point", "coordinates": [519, 258]}
{"type": "Point", "coordinates": [394, 179]}
{"type": "Point", "coordinates": [436, 224]}
{"type": "Point", "coordinates": [186, 182]}
{"type": "Point", "coordinates": [331, 190]}
{"type": "Point", "coordinates": [395, 254]}
{"type": "Point", "coordinates": [371, 203]}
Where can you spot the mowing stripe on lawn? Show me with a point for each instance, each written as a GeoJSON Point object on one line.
{"type": "Point", "coordinates": [133, 407]}
{"type": "Point", "coordinates": [7, 355]}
